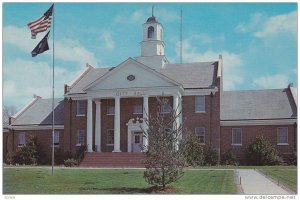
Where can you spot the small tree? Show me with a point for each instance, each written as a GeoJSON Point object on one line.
{"type": "Point", "coordinates": [261, 152]}
{"type": "Point", "coordinates": [164, 162]}
{"type": "Point", "coordinates": [30, 154]}
{"type": "Point", "coordinates": [192, 150]}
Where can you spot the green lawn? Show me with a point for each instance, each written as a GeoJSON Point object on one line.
{"type": "Point", "coordinates": [287, 177]}
{"type": "Point", "coordinates": [112, 181]}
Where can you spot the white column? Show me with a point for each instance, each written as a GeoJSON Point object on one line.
{"type": "Point", "coordinates": [98, 126]}
{"type": "Point", "coordinates": [129, 135]}
{"type": "Point", "coordinates": [176, 109]}
{"type": "Point", "coordinates": [145, 117]}
{"type": "Point", "coordinates": [89, 125]}
{"type": "Point", "coordinates": [117, 126]}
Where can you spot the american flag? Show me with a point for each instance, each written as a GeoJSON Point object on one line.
{"type": "Point", "coordinates": [41, 24]}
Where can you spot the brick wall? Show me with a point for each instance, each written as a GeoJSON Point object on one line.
{"type": "Point", "coordinates": [249, 133]}
{"type": "Point", "coordinates": [11, 139]}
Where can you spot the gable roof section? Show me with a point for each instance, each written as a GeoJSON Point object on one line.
{"type": "Point", "coordinates": [123, 65]}
{"type": "Point", "coordinates": [192, 75]}
{"type": "Point", "coordinates": [40, 113]}
{"type": "Point", "coordinates": [257, 105]}
{"type": "Point", "coordinates": [92, 75]}
{"type": "Point", "coordinates": [188, 75]}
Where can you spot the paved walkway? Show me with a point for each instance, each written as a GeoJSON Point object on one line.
{"type": "Point", "coordinates": [255, 183]}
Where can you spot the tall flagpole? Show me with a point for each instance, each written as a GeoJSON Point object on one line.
{"type": "Point", "coordinates": [181, 36]}
{"type": "Point", "coordinates": [53, 92]}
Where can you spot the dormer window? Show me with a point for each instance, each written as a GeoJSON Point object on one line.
{"type": "Point", "coordinates": [151, 32]}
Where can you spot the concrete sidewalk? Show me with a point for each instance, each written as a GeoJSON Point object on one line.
{"type": "Point", "coordinates": [255, 183]}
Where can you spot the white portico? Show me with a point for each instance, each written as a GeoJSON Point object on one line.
{"type": "Point", "coordinates": [130, 79]}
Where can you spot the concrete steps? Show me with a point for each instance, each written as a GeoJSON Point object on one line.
{"type": "Point", "coordinates": [109, 159]}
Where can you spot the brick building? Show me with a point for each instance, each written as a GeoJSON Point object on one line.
{"type": "Point", "coordinates": [105, 107]}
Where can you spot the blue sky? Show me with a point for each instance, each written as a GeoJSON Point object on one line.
{"type": "Point", "coordinates": [258, 42]}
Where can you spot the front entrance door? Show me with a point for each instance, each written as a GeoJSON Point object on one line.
{"type": "Point", "coordinates": [137, 141]}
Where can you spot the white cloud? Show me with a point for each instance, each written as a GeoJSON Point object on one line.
{"type": "Point", "coordinates": [135, 17]}
{"type": "Point", "coordinates": [19, 37]}
{"type": "Point", "coordinates": [281, 23]}
{"type": "Point", "coordinates": [264, 26]}
{"type": "Point", "coordinates": [141, 15]}
{"type": "Point", "coordinates": [166, 15]}
{"type": "Point", "coordinates": [254, 23]}
{"type": "Point", "coordinates": [65, 49]}
{"type": "Point", "coordinates": [271, 81]}
{"type": "Point", "coordinates": [72, 50]}
{"type": "Point", "coordinates": [232, 62]}
{"type": "Point", "coordinates": [23, 78]}
{"type": "Point", "coordinates": [107, 39]}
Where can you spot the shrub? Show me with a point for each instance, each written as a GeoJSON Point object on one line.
{"type": "Point", "coordinates": [30, 154]}
{"type": "Point", "coordinates": [228, 158]}
{"type": "Point", "coordinates": [293, 159]}
{"type": "Point", "coordinates": [210, 156]}
{"type": "Point", "coordinates": [261, 152]}
{"type": "Point", "coordinates": [68, 155]}
{"type": "Point", "coordinates": [58, 156]}
{"type": "Point", "coordinates": [80, 152]}
{"type": "Point", "coordinates": [70, 162]}
{"type": "Point", "coordinates": [192, 150]}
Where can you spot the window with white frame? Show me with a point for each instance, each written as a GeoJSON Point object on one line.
{"type": "Point", "coordinates": [110, 108]}
{"type": "Point", "coordinates": [138, 109]}
{"type": "Point", "coordinates": [21, 138]}
{"type": "Point", "coordinates": [237, 136]}
{"type": "Point", "coordinates": [81, 107]}
{"type": "Point", "coordinates": [282, 136]}
{"type": "Point", "coordinates": [56, 138]}
{"type": "Point", "coordinates": [165, 108]}
{"type": "Point", "coordinates": [80, 137]}
{"type": "Point", "coordinates": [110, 137]}
{"type": "Point", "coordinates": [199, 103]}
{"type": "Point", "coordinates": [200, 133]}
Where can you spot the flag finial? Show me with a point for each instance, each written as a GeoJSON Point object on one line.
{"type": "Point", "coordinates": [152, 10]}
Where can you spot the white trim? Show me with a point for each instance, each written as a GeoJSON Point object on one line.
{"type": "Point", "coordinates": [123, 64]}
{"type": "Point", "coordinates": [131, 92]}
{"type": "Point", "coordinates": [36, 127]}
{"type": "Point", "coordinates": [237, 144]}
{"type": "Point", "coordinates": [220, 66]}
{"type": "Point", "coordinates": [23, 134]}
{"type": "Point", "coordinates": [200, 91]}
{"type": "Point", "coordinates": [201, 111]}
{"type": "Point", "coordinates": [294, 95]}
{"type": "Point", "coordinates": [77, 107]}
{"type": "Point", "coordinates": [261, 122]}
{"type": "Point", "coordinates": [80, 75]}
{"type": "Point", "coordinates": [282, 144]}
{"type": "Point", "coordinates": [78, 132]}
{"type": "Point", "coordinates": [133, 126]}
{"type": "Point", "coordinates": [287, 135]}
{"type": "Point", "coordinates": [202, 143]}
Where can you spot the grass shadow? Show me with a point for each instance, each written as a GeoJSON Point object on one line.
{"type": "Point", "coordinates": [127, 190]}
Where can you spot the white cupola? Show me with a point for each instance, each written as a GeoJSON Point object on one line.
{"type": "Point", "coordinates": [152, 46]}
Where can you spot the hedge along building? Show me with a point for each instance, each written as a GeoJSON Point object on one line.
{"type": "Point", "coordinates": [104, 108]}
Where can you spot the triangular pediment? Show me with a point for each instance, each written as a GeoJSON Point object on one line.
{"type": "Point", "coordinates": [131, 74]}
